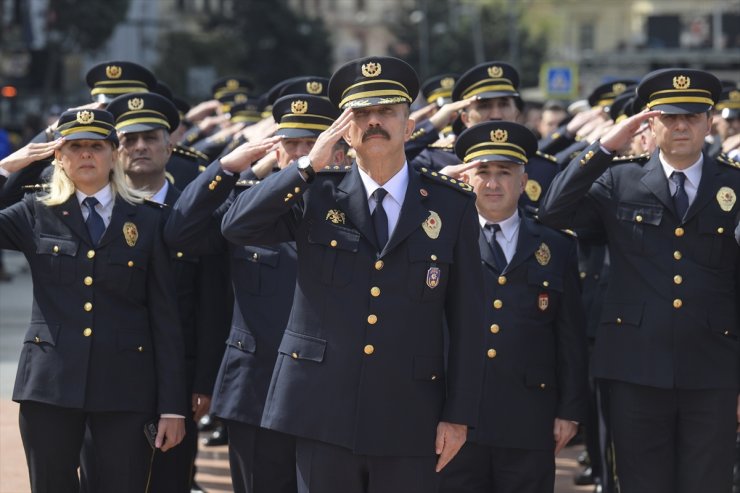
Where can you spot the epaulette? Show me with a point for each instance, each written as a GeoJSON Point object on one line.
{"type": "Point", "coordinates": [548, 157]}
{"type": "Point", "coordinates": [336, 168]}
{"type": "Point", "coordinates": [36, 187]}
{"type": "Point", "coordinates": [639, 158]}
{"type": "Point", "coordinates": [246, 183]}
{"type": "Point", "coordinates": [450, 182]}
{"type": "Point", "coordinates": [417, 133]}
{"type": "Point", "coordinates": [569, 233]}
{"type": "Point", "coordinates": [155, 204]}
{"type": "Point", "coordinates": [441, 145]}
{"type": "Point", "coordinates": [728, 161]}
{"type": "Point", "coordinates": [190, 152]}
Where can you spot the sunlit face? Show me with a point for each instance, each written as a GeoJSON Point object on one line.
{"type": "Point", "coordinates": [380, 130]}
{"type": "Point", "coordinates": [681, 136]}
{"type": "Point", "coordinates": [88, 163]}
{"type": "Point", "coordinates": [291, 149]}
{"type": "Point", "coordinates": [551, 119]}
{"type": "Point", "coordinates": [490, 109]}
{"type": "Point", "coordinates": [145, 153]}
{"type": "Point", "coordinates": [497, 186]}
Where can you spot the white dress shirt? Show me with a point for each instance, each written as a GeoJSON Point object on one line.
{"type": "Point", "coordinates": [396, 188]}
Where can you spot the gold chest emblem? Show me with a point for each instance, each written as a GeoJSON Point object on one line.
{"type": "Point", "coordinates": [113, 72]}
{"type": "Point", "coordinates": [533, 190]}
{"type": "Point", "coordinates": [85, 117]}
{"type": "Point", "coordinates": [543, 254]}
{"type": "Point", "coordinates": [433, 225]}
{"type": "Point", "coordinates": [681, 82]}
{"type": "Point", "coordinates": [372, 69]}
{"type": "Point", "coordinates": [726, 198]}
{"type": "Point", "coordinates": [314, 87]}
{"type": "Point", "coordinates": [299, 107]}
{"type": "Point", "coordinates": [335, 216]}
{"type": "Point", "coordinates": [499, 135]}
{"type": "Point", "coordinates": [495, 71]}
{"type": "Point", "coordinates": [135, 104]}
{"type": "Point", "coordinates": [130, 233]}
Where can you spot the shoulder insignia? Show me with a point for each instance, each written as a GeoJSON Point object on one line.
{"type": "Point", "coordinates": [155, 204]}
{"type": "Point", "coordinates": [450, 182]}
{"type": "Point", "coordinates": [549, 157]}
{"type": "Point", "coordinates": [335, 168]}
{"type": "Point", "coordinates": [190, 152]}
{"type": "Point", "coordinates": [417, 134]}
{"type": "Point", "coordinates": [632, 158]}
{"type": "Point", "coordinates": [247, 183]}
{"type": "Point", "coordinates": [441, 145]}
{"type": "Point", "coordinates": [723, 158]}
{"type": "Point", "coordinates": [36, 187]}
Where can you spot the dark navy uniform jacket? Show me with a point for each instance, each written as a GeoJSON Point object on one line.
{"type": "Point", "coordinates": [535, 345]}
{"type": "Point", "coordinates": [362, 361]}
{"type": "Point", "coordinates": [670, 314]}
{"type": "Point", "coordinates": [104, 333]}
{"type": "Point", "coordinates": [263, 281]}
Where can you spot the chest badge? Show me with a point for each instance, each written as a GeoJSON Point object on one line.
{"type": "Point", "coordinates": [335, 216]}
{"type": "Point", "coordinates": [433, 275]}
{"type": "Point", "coordinates": [533, 190]}
{"type": "Point", "coordinates": [130, 233]}
{"type": "Point", "coordinates": [543, 301]}
{"type": "Point", "coordinates": [433, 225]}
{"type": "Point", "coordinates": [726, 198]}
{"type": "Point", "coordinates": [543, 255]}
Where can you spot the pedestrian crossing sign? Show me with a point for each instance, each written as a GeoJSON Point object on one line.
{"type": "Point", "coordinates": [559, 80]}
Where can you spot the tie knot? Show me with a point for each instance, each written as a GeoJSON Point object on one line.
{"type": "Point", "coordinates": [91, 202]}
{"type": "Point", "coordinates": [379, 194]}
{"type": "Point", "coordinates": [494, 228]}
{"type": "Point", "coordinates": [678, 178]}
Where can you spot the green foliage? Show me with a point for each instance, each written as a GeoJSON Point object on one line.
{"type": "Point", "coordinates": [86, 24]}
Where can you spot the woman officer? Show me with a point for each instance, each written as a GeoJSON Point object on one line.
{"type": "Point", "coordinates": [103, 345]}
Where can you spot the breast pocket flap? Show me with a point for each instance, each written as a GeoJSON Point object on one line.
{"type": "Point", "coordinates": [241, 340]}
{"type": "Point", "coordinates": [302, 346]}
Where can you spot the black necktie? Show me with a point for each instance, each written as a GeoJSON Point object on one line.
{"type": "Point", "coordinates": [498, 253]}
{"type": "Point", "coordinates": [94, 223]}
{"type": "Point", "coordinates": [380, 218]}
{"type": "Point", "coordinates": [680, 198]}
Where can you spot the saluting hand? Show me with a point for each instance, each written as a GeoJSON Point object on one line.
{"type": "Point", "coordinates": [323, 150]}
{"type": "Point", "coordinates": [30, 153]}
{"type": "Point", "coordinates": [621, 133]}
{"type": "Point", "coordinates": [448, 112]}
{"type": "Point", "coordinates": [458, 171]}
{"type": "Point", "coordinates": [450, 439]}
{"type": "Point", "coordinates": [170, 432]}
{"type": "Point", "coordinates": [241, 158]}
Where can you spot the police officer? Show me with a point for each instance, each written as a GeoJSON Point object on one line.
{"type": "Point", "coordinates": [668, 338]}
{"type": "Point", "coordinates": [534, 390]}
{"type": "Point", "coordinates": [384, 256]}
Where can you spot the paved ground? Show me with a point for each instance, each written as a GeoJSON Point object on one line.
{"type": "Point", "coordinates": [213, 468]}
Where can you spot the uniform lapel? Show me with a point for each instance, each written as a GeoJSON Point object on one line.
{"type": "Point", "coordinates": [71, 215]}
{"type": "Point", "coordinates": [351, 197]}
{"type": "Point", "coordinates": [706, 189]}
{"type": "Point", "coordinates": [413, 212]}
{"type": "Point", "coordinates": [527, 243]}
{"type": "Point", "coordinates": [656, 181]}
{"type": "Point", "coordinates": [122, 212]}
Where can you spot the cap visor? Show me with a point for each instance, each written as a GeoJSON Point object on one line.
{"type": "Point", "coordinates": [487, 158]}
{"type": "Point", "coordinates": [298, 133]}
{"type": "Point", "coordinates": [140, 127]}
{"type": "Point", "coordinates": [375, 101]}
{"type": "Point", "coordinates": [496, 94]}
{"type": "Point", "coordinates": [681, 109]}
{"type": "Point", "coordinates": [90, 136]}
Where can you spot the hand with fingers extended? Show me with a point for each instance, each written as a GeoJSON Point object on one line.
{"type": "Point", "coordinates": [458, 171]}
{"type": "Point", "coordinates": [580, 119]}
{"type": "Point", "coordinates": [621, 134]}
{"type": "Point", "coordinates": [450, 439]}
{"type": "Point", "coordinates": [323, 150]}
{"type": "Point", "coordinates": [30, 153]}
{"type": "Point", "coordinates": [448, 112]}
{"type": "Point", "coordinates": [202, 110]}
{"type": "Point", "coordinates": [241, 158]}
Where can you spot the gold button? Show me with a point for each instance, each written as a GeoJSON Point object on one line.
{"type": "Point", "coordinates": [369, 349]}
{"type": "Point", "coordinates": [677, 303]}
{"type": "Point", "coordinates": [543, 386]}
{"type": "Point", "coordinates": [375, 291]}
{"type": "Point", "coordinates": [720, 230]}
{"type": "Point", "coordinates": [290, 195]}
{"type": "Point", "coordinates": [638, 218]}
{"type": "Point", "coordinates": [88, 306]}
{"type": "Point", "coordinates": [88, 281]}
{"type": "Point", "coordinates": [677, 255]}
{"type": "Point", "coordinates": [87, 332]}
{"type": "Point", "coordinates": [180, 254]}
{"type": "Point", "coordinates": [297, 189]}
{"type": "Point", "coordinates": [434, 258]}
{"type": "Point", "coordinates": [495, 328]}
{"type": "Point", "coordinates": [212, 186]}
{"type": "Point", "coordinates": [491, 353]}
{"type": "Point", "coordinates": [379, 265]}
{"type": "Point", "coordinates": [434, 377]}
{"type": "Point", "coordinates": [130, 263]}
{"type": "Point", "coordinates": [141, 349]}
{"type": "Point", "coordinates": [37, 339]}
{"type": "Point", "coordinates": [619, 321]}
{"type": "Point", "coordinates": [546, 283]}
{"type": "Point", "coordinates": [333, 243]}
{"type": "Point", "coordinates": [55, 249]}
{"type": "Point", "coordinates": [218, 177]}
{"type": "Point", "coordinates": [372, 319]}
{"type": "Point", "coordinates": [582, 275]}
{"type": "Point", "coordinates": [679, 232]}
{"type": "Point", "coordinates": [497, 304]}
{"type": "Point", "coordinates": [294, 355]}
{"type": "Point", "coordinates": [90, 253]}
{"type": "Point", "coordinates": [727, 332]}
{"type": "Point", "coordinates": [501, 280]}
{"type": "Point", "coordinates": [677, 279]}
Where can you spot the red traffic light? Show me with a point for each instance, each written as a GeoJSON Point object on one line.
{"type": "Point", "coordinates": [9, 91]}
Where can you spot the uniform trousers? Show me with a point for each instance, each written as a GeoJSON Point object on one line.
{"type": "Point", "coordinates": [327, 468]}
{"type": "Point", "coordinates": [673, 440]}
{"type": "Point", "coordinates": [261, 460]}
{"type": "Point", "coordinates": [484, 469]}
{"type": "Point", "coordinates": [52, 438]}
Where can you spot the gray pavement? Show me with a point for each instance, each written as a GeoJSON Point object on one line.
{"type": "Point", "coordinates": [212, 463]}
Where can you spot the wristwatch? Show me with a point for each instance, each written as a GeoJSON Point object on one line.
{"type": "Point", "coordinates": [304, 166]}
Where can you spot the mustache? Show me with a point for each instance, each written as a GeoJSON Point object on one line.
{"type": "Point", "coordinates": [375, 131]}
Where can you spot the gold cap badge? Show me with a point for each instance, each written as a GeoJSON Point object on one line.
{"type": "Point", "coordinates": [130, 233]}
{"type": "Point", "coordinates": [447, 83]}
{"type": "Point", "coordinates": [543, 254]}
{"type": "Point", "coordinates": [726, 198]}
{"type": "Point", "coordinates": [299, 107]}
{"type": "Point", "coordinates": [372, 69]}
{"type": "Point", "coordinates": [681, 82]}
{"type": "Point", "coordinates": [495, 71]}
{"type": "Point", "coordinates": [618, 88]}
{"type": "Point", "coordinates": [734, 95]}
{"type": "Point", "coordinates": [232, 84]}
{"type": "Point", "coordinates": [85, 117]}
{"type": "Point", "coordinates": [499, 135]}
{"type": "Point", "coordinates": [314, 87]}
{"type": "Point", "coordinates": [113, 72]}
{"type": "Point", "coordinates": [240, 98]}
{"type": "Point", "coordinates": [433, 225]}
{"type": "Point", "coordinates": [135, 104]}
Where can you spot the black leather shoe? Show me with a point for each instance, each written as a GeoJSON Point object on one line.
{"type": "Point", "coordinates": [586, 477]}
{"type": "Point", "coordinates": [207, 423]}
{"type": "Point", "coordinates": [196, 488]}
{"type": "Point", "coordinates": [218, 437]}
{"type": "Point", "coordinates": [583, 458]}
